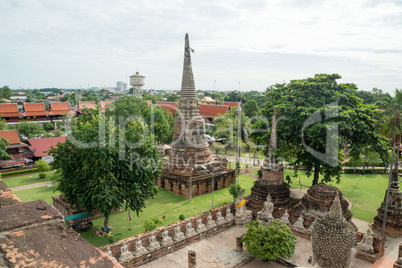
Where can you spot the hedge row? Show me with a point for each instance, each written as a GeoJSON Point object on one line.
{"type": "Point", "coordinates": [366, 171]}
{"type": "Point", "coordinates": [11, 173]}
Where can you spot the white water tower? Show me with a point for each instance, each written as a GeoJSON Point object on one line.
{"type": "Point", "coordinates": [137, 81]}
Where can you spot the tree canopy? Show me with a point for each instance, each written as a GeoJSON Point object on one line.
{"type": "Point", "coordinates": [317, 116]}
{"type": "Point", "coordinates": [30, 130]}
{"type": "Point", "coordinates": [5, 92]}
{"type": "Point", "coordinates": [158, 120]}
{"type": "Point", "coordinates": [105, 165]}
{"type": "Point", "coordinates": [3, 149]}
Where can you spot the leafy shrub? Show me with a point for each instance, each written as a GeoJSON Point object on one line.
{"type": "Point", "coordinates": [234, 189]}
{"type": "Point", "coordinates": [112, 239]}
{"type": "Point", "coordinates": [42, 165]}
{"type": "Point", "coordinates": [58, 133]}
{"type": "Point", "coordinates": [16, 172]}
{"type": "Point", "coordinates": [181, 217]}
{"type": "Point", "coordinates": [150, 224]}
{"type": "Point", "coordinates": [269, 242]}
{"type": "Point", "coordinates": [47, 126]}
{"type": "Point", "coordinates": [42, 175]}
{"type": "Point", "coordinates": [355, 162]}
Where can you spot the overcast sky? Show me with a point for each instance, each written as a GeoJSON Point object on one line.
{"type": "Point", "coordinates": [72, 44]}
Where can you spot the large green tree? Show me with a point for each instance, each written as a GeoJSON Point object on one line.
{"type": "Point", "coordinates": [3, 149]}
{"type": "Point", "coordinates": [251, 108]}
{"type": "Point", "coordinates": [30, 130]}
{"type": "Point", "coordinates": [316, 117]}
{"type": "Point", "coordinates": [105, 165]}
{"type": "Point", "coordinates": [5, 92]}
{"type": "Point", "coordinates": [160, 122]}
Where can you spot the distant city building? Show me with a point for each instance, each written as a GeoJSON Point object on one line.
{"type": "Point", "coordinates": [137, 81]}
{"type": "Point", "coordinates": [121, 86]}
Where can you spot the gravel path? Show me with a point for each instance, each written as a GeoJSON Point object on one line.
{"type": "Point", "coordinates": [46, 183]}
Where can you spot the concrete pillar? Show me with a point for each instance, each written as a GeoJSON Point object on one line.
{"type": "Point", "coordinates": [239, 244]}
{"type": "Point", "coordinates": [192, 261]}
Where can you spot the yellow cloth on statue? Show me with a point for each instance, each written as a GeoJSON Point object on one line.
{"type": "Point", "coordinates": [241, 203]}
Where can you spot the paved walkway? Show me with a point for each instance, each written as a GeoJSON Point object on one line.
{"type": "Point", "coordinates": [46, 183]}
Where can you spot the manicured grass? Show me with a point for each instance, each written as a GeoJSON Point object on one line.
{"type": "Point", "coordinates": [165, 204]}
{"type": "Point", "coordinates": [26, 179]}
{"type": "Point", "coordinates": [37, 193]}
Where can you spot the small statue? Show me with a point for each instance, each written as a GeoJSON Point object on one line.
{"type": "Point", "coordinates": [219, 219]}
{"type": "Point", "coordinates": [265, 215]}
{"type": "Point", "coordinates": [189, 229]}
{"type": "Point", "coordinates": [243, 216]}
{"type": "Point", "coordinates": [210, 222]}
{"type": "Point", "coordinates": [139, 249]}
{"type": "Point", "coordinates": [109, 252]}
{"type": "Point", "coordinates": [285, 218]}
{"type": "Point", "coordinates": [166, 239]}
{"type": "Point", "coordinates": [366, 245]}
{"type": "Point", "coordinates": [153, 244]}
{"type": "Point", "coordinates": [200, 226]}
{"type": "Point", "coordinates": [125, 254]}
{"type": "Point", "coordinates": [299, 222]}
{"type": "Point", "coordinates": [178, 234]}
{"type": "Point", "coordinates": [229, 215]}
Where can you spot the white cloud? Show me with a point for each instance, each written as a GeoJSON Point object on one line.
{"type": "Point", "coordinates": [72, 43]}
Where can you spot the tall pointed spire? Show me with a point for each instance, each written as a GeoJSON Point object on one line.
{"type": "Point", "coordinates": [187, 82]}
{"type": "Point", "coordinates": [273, 143]}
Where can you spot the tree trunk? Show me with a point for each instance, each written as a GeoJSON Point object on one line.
{"type": "Point", "coordinates": [106, 222]}
{"type": "Point", "coordinates": [316, 176]}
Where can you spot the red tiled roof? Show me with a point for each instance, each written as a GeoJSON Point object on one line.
{"type": "Point", "coordinates": [206, 110]}
{"type": "Point", "coordinates": [58, 108]}
{"type": "Point", "coordinates": [149, 102]}
{"type": "Point", "coordinates": [9, 110]}
{"type": "Point", "coordinates": [6, 100]}
{"type": "Point", "coordinates": [87, 104]}
{"type": "Point", "coordinates": [35, 109]}
{"type": "Point", "coordinates": [212, 111]}
{"type": "Point", "coordinates": [38, 146]}
{"type": "Point", "coordinates": [11, 136]}
{"type": "Point", "coordinates": [209, 100]}
{"type": "Point", "coordinates": [11, 163]}
{"type": "Point", "coordinates": [170, 106]}
{"type": "Point", "coordinates": [104, 105]}
{"type": "Point", "coordinates": [231, 104]}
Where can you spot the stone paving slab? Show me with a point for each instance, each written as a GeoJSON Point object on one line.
{"type": "Point", "coordinates": [216, 251]}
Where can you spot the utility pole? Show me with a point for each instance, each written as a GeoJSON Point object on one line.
{"type": "Point", "coordinates": [238, 110]}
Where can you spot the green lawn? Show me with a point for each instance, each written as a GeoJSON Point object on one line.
{"type": "Point", "coordinates": [365, 192]}
{"type": "Point", "coordinates": [26, 179]}
{"type": "Point", "coordinates": [37, 193]}
{"type": "Point", "coordinates": [165, 204]}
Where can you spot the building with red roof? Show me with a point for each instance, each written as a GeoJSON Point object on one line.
{"type": "Point", "coordinates": [39, 147]}
{"type": "Point", "coordinates": [6, 100]}
{"type": "Point", "coordinates": [232, 104]}
{"type": "Point", "coordinates": [170, 106]}
{"type": "Point", "coordinates": [209, 100]}
{"type": "Point", "coordinates": [9, 111]}
{"type": "Point", "coordinates": [59, 108]}
{"type": "Point", "coordinates": [104, 104]}
{"type": "Point", "coordinates": [35, 110]}
{"type": "Point", "coordinates": [16, 148]}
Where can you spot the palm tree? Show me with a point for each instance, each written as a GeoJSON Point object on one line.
{"type": "Point", "coordinates": [392, 128]}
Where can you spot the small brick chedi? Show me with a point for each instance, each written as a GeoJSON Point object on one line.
{"type": "Point", "coordinates": [270, 180]}
{"type": "Point", "coordinates": [333, 239]}
{"type": "Point", "coordinates": [190, 149]}
{"type": "Point", "coordinates": [393, 224]}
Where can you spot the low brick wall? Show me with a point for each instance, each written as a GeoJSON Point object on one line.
{"type": "Point", "coordinates": [163, 251]}
{"type": "Point", "coordinates": [17, 168]}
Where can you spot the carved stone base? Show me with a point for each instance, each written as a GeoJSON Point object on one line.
{"type": "Point", "coordinates": [393, 224]}
{"type": "Point", "coordinates": [220, 221]}
{"type": "Point", "coordinates": [140, 251]}
{"type": "Point", "coordinates": [229, 217]}
{"type": "Point", "coordinates": [201, 228]}
{"type": "Point", "coordinates": [211, 224]}
{"type": "Point", "coordinates": [244, 219]}
{"type": "Point", "coordinates": [126, 257]}
{"type": "Point", "coordinates": [154, 246]}
{"type": "Point", "coordinates": [166, 242]}
{"type": "Point", "coordinates": [265, 219]}
{"type": "Point", "coordinates": [179, 237]}
{"type": "Point", "coordinates": [190, 232]}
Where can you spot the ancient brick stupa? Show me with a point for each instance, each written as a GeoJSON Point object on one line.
{"type": "Point", "coordinates": [190, 149]}
{"type": "Point", "coordinates": [333, 239]}
{"type": "Point", "coordinates": [270, 180]}
{"type": "Point", "coordinates": [393, 224]}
